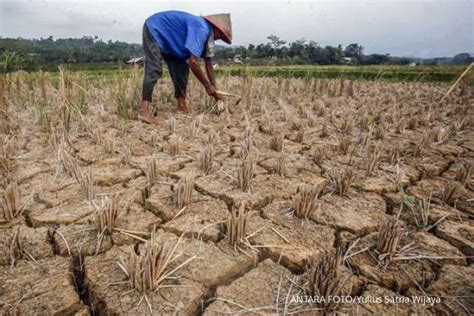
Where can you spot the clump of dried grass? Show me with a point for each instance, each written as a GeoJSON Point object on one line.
{"type": "Point", "coordinates": [464, 173]}
{"type": "Point", "coordinates": [459, 124]}
{"type": "Point", "coordinates": [151, 172]}
{"type": "Point", "coordinates": [449, 191]}
{"type": "Point", "coordinates": [365, 122]}
{"type": "Point", "coordinates": [212, 137]}
{"type": "Point", "coordinates": [96, 135]}
{"type": "Point", "coordinates": [248, 130]}
{"type": "Point", "coordinates": [245, 174]}
{"type": "Point", "coordinates": [420, 208]}
{"type": "Point", "coordinates": [65, 160]}
{"type": "Point", "coordinates": [206, 158]}
{"type": "Point", "coordinates": [320, 109]}
{"type": "Point", "coordinates": [422, 145]}
{"type": "Point", "coordinates": [11, 203]}
{"type": "Point", "coordinates": [324, 279]}
{"type": "Point", "coordinates": [324, 130]}
{"type": "Point", "coordinates": [276, 143]}
{"type": "Point", "coordinates": [6, 154]}
{"type": "Point", "coordinates": [379, 131]}
{"type": "Point", "coordinates": [390, 235]}
{"type": "Point", "coordinates": [155, 265]}
{"type": "Point", "coordinates": [17, 248]}
{"type": "Point", "coordinates": [280, 168]}
{"type": "Point", "coordinates": [66, 118]}
{"type": "Point", "coordinates": [171, 124]}
{"type": "Point", "coordinates": [372, 159]}
{"type": "Point", "coordinates": [245, 148]}
{"type": "Point", "coordinates": [174, 145]}
{"type": "Point", "coordinates": [85, 180]}
{"type": "Point", "coordinates": [126, 93]}
{"type": "Point", "coordinates": [300, 136]}
{"type": "Point", "coordinates": [297, 125]}
{"type": "Point", "coordinates": [109, 143]}
{"type": "Point", "coordinates": [305, 202]}
{"type": "Point", "coordinates": [347, 125]}
{"type": "Point", "coordinates": [441, 134]}
{"type": "Point", "coordinates": [126, 154]}
{"type": "Point", "coordinates": [107, 214]}
{"type": "Point", "coordinates": [195, 126]}
{"type": "Point", "coordinates": [319, 154]}
{"type": "Point", "coordinates": [394, 154]}
{"type": "Point", "coordinates": [184, 190]}
{"type": "Point", "coordinates": [342, 181]}
{"type": "Point", "coordinates": [364, 139]}
{"type": "Point", "coordinates": [350, 89]}
{"type": "Point", "coordinates": [412, 123]}
{"type": "Point", "coordinates": [400, 127]}
{"type": "Point", "coordinates": [344, 145]}
{"type": "Point", "coordinates": [236, 226]}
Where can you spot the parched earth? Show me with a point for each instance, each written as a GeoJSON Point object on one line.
{"type": "Point", "coordinates": [401, 145]}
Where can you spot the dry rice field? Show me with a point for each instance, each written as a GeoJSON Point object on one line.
{"type": "Point", "coordinates": [306, 188]}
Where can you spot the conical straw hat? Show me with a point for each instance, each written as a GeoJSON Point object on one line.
{"type": "Point", "coordinates": [222, 22]}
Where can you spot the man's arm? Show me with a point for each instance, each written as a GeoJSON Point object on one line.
{"type": "Point", "coordinates": [210, 72]}
{"type": "Point", "coordinates": [193, 62]}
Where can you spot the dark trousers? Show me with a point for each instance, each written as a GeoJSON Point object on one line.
{"type": "Point", "coordinates": [179, 69]}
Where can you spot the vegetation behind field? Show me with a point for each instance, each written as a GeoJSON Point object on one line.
{"type": "Point", "coordinates": [93, 53]}
{"type": "Point", "coordinates": [381, 72]}
{"type": "Point", "coordinates": [298, 59]}
{"type": "Point", "coordinates": [106, 72]}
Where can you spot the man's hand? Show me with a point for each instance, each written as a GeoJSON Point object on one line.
{"type": "Point", "coordinates": [212, 91]}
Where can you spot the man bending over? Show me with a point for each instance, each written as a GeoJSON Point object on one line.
{"type": "Point", "coordinates": [181, 40]}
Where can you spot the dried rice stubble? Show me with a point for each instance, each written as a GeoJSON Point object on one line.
{"type": "Point", "coordinates": [184, 190]}
{"type": "Point", "coordinates": [155, 266]}
{"type": "Point", "coordinates": [12, 206]}
{"type": "Point", "coordinates": [324, 280]}
{"type": "Point", "coordinates": [245, 174]}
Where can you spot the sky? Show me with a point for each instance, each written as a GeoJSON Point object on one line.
{"type": "Point", "coordinates": [415, 28]}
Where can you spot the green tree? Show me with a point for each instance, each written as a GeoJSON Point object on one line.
{"type": "Point", "coordinates": [275, 41]}
{"type": "Point", "coordinates": [354, 50]}
{"type": "Point", "coordinates": [11, 61]}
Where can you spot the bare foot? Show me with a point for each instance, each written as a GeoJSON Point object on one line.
{"type": "Point", "coordinates": [182, 105]}
{"type": "Point", "coordinates": [145, 113]}
{"type": "Point", "coordinates": [148, 118]}
{"type": "Point", "coordinates": [183, 109]}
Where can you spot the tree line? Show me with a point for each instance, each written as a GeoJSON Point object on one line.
{"type": "Point", "coordinates": [49, 52]}
{"type": "Point", "coordinates": [30, 54]}
{"type": "Point", "coordinates": [279, 52]}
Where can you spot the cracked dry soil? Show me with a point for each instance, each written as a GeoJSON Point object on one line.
{"type": "Point", "coordinates": [402, 147]}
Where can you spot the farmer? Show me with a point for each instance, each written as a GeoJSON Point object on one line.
{"type": "Point", "coordinates": [181, 40]}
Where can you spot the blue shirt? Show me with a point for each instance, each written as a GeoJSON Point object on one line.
{"type": "Point", "coordinates": [179, 33]}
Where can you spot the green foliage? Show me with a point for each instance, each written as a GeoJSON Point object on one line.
{"type": "Point", "coordinates": [353, 50]}
{"type": "Point", "coordinates": [11, 61]}
{"type": "Point", "coordinates": [275, 41]}
{"type": "Point", "coordinates": [409, 200]}
{"type": "Point", "coordinates": [299, 52]}
{"type": "Point", "coordinates": [28, 54]}
{"type": "Point", "coordinates": [382, 72]}
{"type": "Point", "coordinates": [48, 53]}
